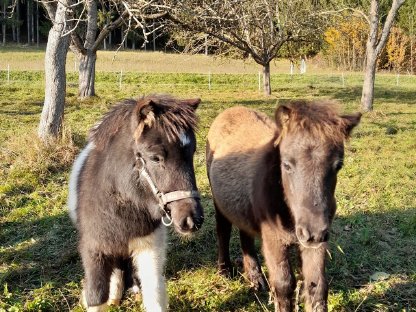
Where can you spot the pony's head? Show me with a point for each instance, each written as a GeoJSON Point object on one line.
{"type": "Point", "coordinates": [164, 145]}
{"type": "Point", "coordinates": [311, 146]}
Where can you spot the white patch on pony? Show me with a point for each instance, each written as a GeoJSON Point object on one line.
{"type": "Point", "coordinates": [149, 255]}
{"type": "Point", "coordinates": [185, 139]}
{"type": "Point", "coordinates": [116, 287]}
{"type": "Point", "coordinates": [136, 289]}
{"type": "Point", "coordinates": [73, 181]}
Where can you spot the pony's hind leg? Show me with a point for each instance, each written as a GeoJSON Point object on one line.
{"type": "Point", "coordinates": [98, 270]}
{"type": "Point", "coordinates": [251, 262]}
{"type": "Point", "coordinates": [223, 227]}
{"type": "Point", "coordinates": [149, 258]}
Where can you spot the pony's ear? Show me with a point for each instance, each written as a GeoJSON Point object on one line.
{"type": "Point", "coordinates": [194, 103]}
{"type": "Point", "coordinates": [350, 121]}
{"type": "Point", "coordinates": [146, 110]}
{"type": "Point", "coordinates": [145, 116]}
{"type": "Point", "coordinates": [282, 116]}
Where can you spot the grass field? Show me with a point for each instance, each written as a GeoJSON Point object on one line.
{"type": "Point", "coordinates": [373, 244]}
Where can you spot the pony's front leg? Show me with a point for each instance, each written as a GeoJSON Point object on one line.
{"type": "Point", "coordinates": [281, 278]}
{"type": "Point", "coordinates": [116, 287]}
{"type": "Point", "coordinates": [315, 283]}
{"type": "Point", "coordinates": [149, 259]}
{"type": "Point", "coordinates": [98, 269]}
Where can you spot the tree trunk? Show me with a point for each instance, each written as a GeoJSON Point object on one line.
{"type": "Point", "coordinates": [18, 21]}
{"type": "Point", "coordinates": [37, 24]}
{"type": "Point", "coordinates": [367, 96]}
{"type": "Point", "coordinates": [266, 79]}
{"type": "Point", "coordinates": [55, 77]}
{"type": "Point", "coordinates": [28, 21]}
{"type": "Point", "coordinates": [14, 32]}
{"type": "Point", "coordinates": [87, 59]}
{"type": "Point", "coordinates": [4, 23]}
{"type": "Point", "coordinates": [32, 22]}
{"type": "Point", "coordinates": [87, 74]}
{"type": "Point", "coordinates": [375, 44]}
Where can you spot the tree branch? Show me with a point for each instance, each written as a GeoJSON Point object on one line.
{"type": "Point", "coordinates": [388, 24]}
{"type": "Point", "coordinates": [107, 29]}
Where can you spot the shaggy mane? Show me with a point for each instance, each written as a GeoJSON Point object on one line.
{"type": "Point", "coordinates": [170, 117]}
{"type": "Point", "coordinates": [320, 119]}
{"type": "Point", "coordinates": [173, 117]}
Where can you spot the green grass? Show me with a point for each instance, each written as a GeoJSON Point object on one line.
{"type": "Point", "coordinates": [374, 231]}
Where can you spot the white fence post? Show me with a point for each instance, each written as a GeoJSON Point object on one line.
{"type": "Point", "coordinates": [259, 82]}
{"type": "Point", "coordinates": [121, 78]}
{"type": "Point", "coordinates": [303, 66]}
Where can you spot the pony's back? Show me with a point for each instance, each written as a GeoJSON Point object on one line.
{"type": "Point", "coordinates": [239, 129]}
{"type": "Point", "coordinates": [236, 145]}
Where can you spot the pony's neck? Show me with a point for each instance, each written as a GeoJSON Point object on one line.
{"type": "Point", "coordinates": [269, 189]}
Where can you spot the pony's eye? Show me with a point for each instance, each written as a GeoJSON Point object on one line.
{"type": "Point", "coordinates": [156, 158]}
{"type": "Point", "coordinates": [287, 166]}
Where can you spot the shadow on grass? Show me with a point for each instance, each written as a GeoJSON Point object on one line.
{"type": "Point", "coordinates": [229, 302]}
{"type": "Point", "coordinates": [370, 243]}
{"type": "Point", "coordinates": [367, 243]}
{"type": "Point", "coordinates": [38, 252]}
{"type": "Point", "coordinates": [17, 113]}
{"type": "Point", "coordinates": [361, 245]}
{"type": "Point", "coordinates": [381, 94]}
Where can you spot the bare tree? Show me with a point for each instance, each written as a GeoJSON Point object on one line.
{"type": "Point", "coordinates": [55, 75]}
{"type": "Point", "coordinates": [66, 23]}
{"type": "Point", "coordinates": [4, 19]}
{"type": "Point", "coordinates": [255, 28]}
{"type": "Point", "coordinates": [375, 44]}
{"type": "Point", "coordinates": [85, 42]}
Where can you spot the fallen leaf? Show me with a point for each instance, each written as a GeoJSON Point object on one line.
{"type": "Point", "coordinates": [379, 276]}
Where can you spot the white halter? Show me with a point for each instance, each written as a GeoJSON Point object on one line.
{"type": "Point", "coordinates": [165, 198]}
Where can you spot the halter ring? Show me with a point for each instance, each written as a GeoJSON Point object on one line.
{"type": "Point", "coordinates": [169, 223]}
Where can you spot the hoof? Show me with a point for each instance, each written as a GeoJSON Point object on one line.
{"type": "Point", "coordinates": [320, 306]}
{"type": "Point", "coordinates": [257, 281]}
{"type": "Point", "coordinates": [83, 300]}
{"type": "Point", "coordinates": [138, 297]}
{"type": "Point", "coordinates": [226, 270]}
{"type": "Point", "coordinates": [114, 302]}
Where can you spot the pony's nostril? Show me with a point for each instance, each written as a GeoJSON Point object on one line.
{"type": "Point", "coordinates": [311, 239]}
{"type": "Point", "coordinates": [187, 224]}
{"type": "Point", "coordinates": [325, 236]}
{"type": "Point", "coordinates": [303, 234]}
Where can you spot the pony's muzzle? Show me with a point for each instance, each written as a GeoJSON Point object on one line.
{"type": "Point", "coordinates": [309, 238]}
{"type": "Point", "coordinates": [187, 215]}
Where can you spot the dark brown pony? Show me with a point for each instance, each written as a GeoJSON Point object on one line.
{"type": "Point", "coordinates": [135, 173]}
{"type": "Point", "coordinates": [277, 180]}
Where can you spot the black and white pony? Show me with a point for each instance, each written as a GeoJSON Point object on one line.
{"type": "Point", "coordinates": [135, 174]}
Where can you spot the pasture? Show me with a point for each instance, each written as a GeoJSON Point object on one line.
{"type": "Point", "coordinates": [372, 256]}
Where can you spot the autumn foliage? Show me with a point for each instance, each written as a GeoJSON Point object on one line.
{"type": "Point", "coordinates": [345, 44]}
